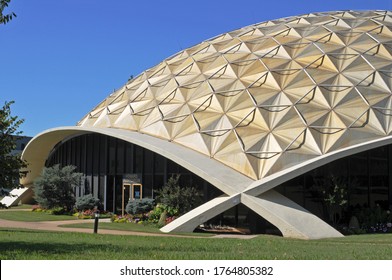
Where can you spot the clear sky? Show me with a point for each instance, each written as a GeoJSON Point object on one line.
{"type": "Point", "coordinates": [60, 58]}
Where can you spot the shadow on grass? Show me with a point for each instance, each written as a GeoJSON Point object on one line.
{"type": "Point", "coordinates": [34, 244]}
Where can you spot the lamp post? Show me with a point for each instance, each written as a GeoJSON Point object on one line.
{"type": "Point", "coordinates": [96, 221]}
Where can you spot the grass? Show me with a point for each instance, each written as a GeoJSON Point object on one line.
{"type": "Point", "coordinates": [33, 244]}
{"type": "Point", "coordinates": [29, 216]}
{"type": "Point", "coordinates": [21, 206]}
{"type": "Point", "coordinates": [118, 226]}
{"type": "Point", "coordinates": [132, 227]}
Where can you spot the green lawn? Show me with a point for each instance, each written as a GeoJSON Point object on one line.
{"type": "Point", "coordinates": [33, 244]}
{"type": "Point", "coordinates": [21, 206]}
{"type": "Point", "coordinates": [29, 216]}
{"type": "Point", "coordinates": [133, 227]}
{"type": "Point", "coordinates": [118, 226]}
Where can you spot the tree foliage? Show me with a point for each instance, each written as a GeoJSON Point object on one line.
{"type": "Point", "coordinates": [86, 202]}
{"type": "Point", "coordinates": [55, 186]}
{"type": "Point", "coordinates": [10, 164]}
{"type": "Point", "coordinates": [181, 198]}
{"type": "Point", "coordinates": [4, 18]}
{"type": "Point", "coordinates": [139, 206]}
{"type": "Point", "coordinates": [332, 191]}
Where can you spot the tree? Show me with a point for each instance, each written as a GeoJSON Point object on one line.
{"type": "Point", "coordinates": [180, 198]}
{"type": "Point", "coordinates": [332, 191]}
{"type": "Point", "coordinates": [4, 18]}
{"type": "Point", "coordinates": [55, 187]}
{"type": "Point", "coordinates": [10, 164]}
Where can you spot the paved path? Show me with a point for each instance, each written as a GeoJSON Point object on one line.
{"type": "Point", "coordinates": [55, 226]}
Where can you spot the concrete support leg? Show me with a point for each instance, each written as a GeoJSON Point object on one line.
{"type": "Point", "coordinates": [189, 221]}
{"type": "Point", "coordinates": [290, 218]}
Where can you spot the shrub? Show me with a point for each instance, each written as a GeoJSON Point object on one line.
{"type": "Point", "coordinates": [177, 198]}
{"type": "Point", "coordinates": [59, 211]}
{"type": "Point", "coordinates": [86, 202]}
{"type": "Point", "coordinates": [162, 219]}
{"type": "Point", "coordinates": [154, 216]}
{"type": "Point", "coordinates": [139, 206]}
{"type": "Point", "coordinates": [54, 188]}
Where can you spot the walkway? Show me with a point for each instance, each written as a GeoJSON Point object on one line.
{"type": "Point", "coordinates": [55, 226]}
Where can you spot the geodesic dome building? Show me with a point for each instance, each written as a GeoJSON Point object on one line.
{"type": "Point", "coordinates": [246, 112]}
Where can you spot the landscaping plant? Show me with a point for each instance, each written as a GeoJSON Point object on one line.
{"type": "Point", "coordinates": [55, 187]}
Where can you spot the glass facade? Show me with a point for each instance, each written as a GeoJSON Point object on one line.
{"type": "Point", "coordinates": [365, 178]}
{"type": "Point", "coordinates": [106, 162]}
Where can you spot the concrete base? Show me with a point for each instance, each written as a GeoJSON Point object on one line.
{"type": "Point", "coordinates": [290, 218]}
{"type": "Point", "coordinates": [189, 221]}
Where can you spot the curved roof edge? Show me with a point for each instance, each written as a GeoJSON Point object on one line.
{"type": "Point", "coordinates": [261, 186]}
{"type": "Point", "coordinates": [226, 179]}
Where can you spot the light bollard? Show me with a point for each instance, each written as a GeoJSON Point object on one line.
{"type": "Point", "coordinates": [96, 222]}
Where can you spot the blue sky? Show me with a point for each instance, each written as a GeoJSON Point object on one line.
{"type": "Point", "coordinates": [61, 58]}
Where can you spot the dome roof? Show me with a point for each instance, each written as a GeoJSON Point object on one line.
{"type": "Point", "coordinates": [267, 96]}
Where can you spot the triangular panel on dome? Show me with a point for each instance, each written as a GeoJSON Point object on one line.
{"type": "Point", "coordinates": [312, 32]}
{"type": "Point", "coordinates": [383, 114]}
{"type": "Point", "coordinates": [225, 45]}
{"type": "Point", "coordinates": [87, 121]}
{"type": "Point", "coordinates": [103, 120]}
{"type": "Point", "coordinates": [236, 58]}
{"type": "Point", "coordinates": [212, 65]}
{"type": "Point", "coordinates": [307, 55]}
{"type": "Point", "coordinates": [199, 48]}
{"type": "Point", "coordinates": [308, 146]}
{"type": "Point", "coordinates": [143, 107]}
{"type": "Point", "coordinates": [262, 46]}
{"type": "Point", "coordinates": [195, 141]}
{"type": "Point", "coordinates": [326, 137]}
{"type": "Point", "coordinates": [176, 57]}
{"type": "Point", "coordinates": [231, 155]}
{"type": "Point", "coordinates": [322, 75]}
{"type": "Point", "coordinates": [251, 34]}
{"type": "Point", "coordinates": [343, 59]}
{"type": "Point", "coordinates": [330, 43]}
{"type": "Point", "coordinates": [153, 115]}
{"type": "Point", "coordinates": [273, 30]}
{"type": "Point", "coordinates": [319, 20]}
{"type": "Point", "coordinates": [174, 112]}
{"type": "Point", "coordinates": [185, 67]}
{"type": "Point", "coordinates": [378, 57]}
{"type": "Point", "coordinates": [126, 121]}
{"type": "Point", "coordinates": [352, 137]}
{"type": "Point", "coordinates": [357, 72]}
{"type": "Point", "coordinates": [329, 123]}
{"type": "Point", "coordinates": [156, 128]}
{"type": "Point", "coordinates": [182, 126]}
{"type": "Point", "coordinates": [226, 84]}
{"type": "Point", "coordinates": [142, 92]}
{"type": "Point", "coordinates": [266, 163]}
{"type": "Point", "coordinates": [250, 71]}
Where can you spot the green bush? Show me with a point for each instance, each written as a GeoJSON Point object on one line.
{"type": "Point", "coordinates": [86, 202]}
{"type": "Point", "coordinates": [55, 187]}
{"type": "Point", "coordinates": [177, 198]}
{"type": "Point", "coordinates": [139, 206]}
{"type": "Point", "coordinates": [162, 219]}
{"type": "Point", "coordinates": [59, 211]}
